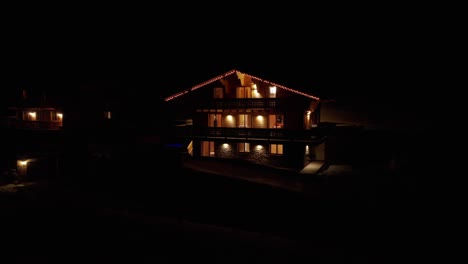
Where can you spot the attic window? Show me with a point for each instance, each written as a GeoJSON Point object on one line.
{"type": "Point", "coordinates": [272, 91]}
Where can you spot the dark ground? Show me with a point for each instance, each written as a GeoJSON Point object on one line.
{"type": "Point", "coordinates": [197, 217]}
{"type": "Point", "coordinates": [166, 216]}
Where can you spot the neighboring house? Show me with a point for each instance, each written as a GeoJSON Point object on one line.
{"type": "Point", "coordinates": [32, 129]}
{"type": "Point", "coordinates": [240, 116]}
{"type": "Point", "coordinates": [34, 113]}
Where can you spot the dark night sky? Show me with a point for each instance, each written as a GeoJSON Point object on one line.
{"type": "Point", "coordinates": [374, 59]}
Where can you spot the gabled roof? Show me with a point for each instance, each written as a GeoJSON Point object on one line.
{"type": "Point", "coordinates": [236, 72]}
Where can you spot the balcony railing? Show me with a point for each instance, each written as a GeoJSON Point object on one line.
{"type": "Point", "coordinates": [252, 133]}
{"type": "Point", "coordinates": [33, 125]}
{"type": "Point", "coordinates": [245, 103]}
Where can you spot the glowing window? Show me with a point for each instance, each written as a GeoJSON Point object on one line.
{"type": "Point", "coordinates": [214, 120]}
{"type": "Point", "coordinates": [276, 149]}
{"type": "Point", "coordinates": [244, 120]}
{"type": "Point", "coordinates": [244, 147]}
{"type": "Point", "coordinates": [31, 116]}
{"type": "Point", "coordinates": [276, 121]}
{"type": "Point", "coordinates": [244, 92]}
{"type": "Point", "coordinates": [207, 149]}
{"type": "Point", "coordinates": [272, 91]}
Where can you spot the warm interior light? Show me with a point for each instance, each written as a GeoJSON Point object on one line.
{"type": "Point", "coordinates": [32, 114]}
{"type": "Point", "coordinates": [260, 118]}
{"type": "Point", "coordinates": [273, 89]}
{"type": "Point", "coordinates": [59, 115]}
{"type": "Point", "coordinates": [23, 162]}
{"type": "Point", "coordinates": [229, 117]}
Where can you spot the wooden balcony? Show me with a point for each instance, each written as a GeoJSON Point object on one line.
{"type": "Point", "coordinates": [246, 103]}
{"type": "Point", "coordinates": [31, 125]}
{"type": "Point", "coordinates": [252, 133]}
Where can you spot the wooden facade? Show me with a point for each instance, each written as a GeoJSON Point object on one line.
{"type": "Point", "coordinates": [240, 116]}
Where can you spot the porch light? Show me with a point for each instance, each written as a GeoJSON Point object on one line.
{"type": "Point", "coordinates": [23, 162]}
{"type": "Point", "coordinates": [225, 145]}
{"type": "Point", "coordinates": [32, 114]}
{"type": "Point", "coordinates": [60, 116]}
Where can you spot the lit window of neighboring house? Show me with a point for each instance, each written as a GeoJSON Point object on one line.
{"type": "Point", "coordinates": [30, 116]}
{"type": "Point", "coordinates": [107, 114]}
{"type": "Point", "coordinates": [244, 147]}
{"type": "Point", "coordinates": [56, 116]}
{"type": "Point", "coordinates": [207, 149]}
{"type": "Point", "coordinates": [276, 149]}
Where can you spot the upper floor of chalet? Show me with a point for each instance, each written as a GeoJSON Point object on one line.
{"type": "Point", "coordinates": [240, 100]}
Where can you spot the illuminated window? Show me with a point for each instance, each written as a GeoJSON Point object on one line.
{"type": "Point", "coordinates": [276, 149]}
{"type": "Point", "coordinates": [255, 93]}
{"type": "Point", "coordinates": [107, 114]}
{"type": "Point", "coordinates": [244, 120]}
{"type": "Point", "coordinates": [56, 116]}
{"type": "Point", "coordinates": [244, 92]}
{"type": "Point", "coordinates": [214, 120]}
{"type": "Point", "coordinates": [30, 116]}
{"type": "Point", "coordinates": [276, 121]}
{"type": "Point", "coordinates": [244, 147]}
{"type": "Point", "coordinates": [207, 149]}
{"type": "Point", "coordinates": [272, 91]}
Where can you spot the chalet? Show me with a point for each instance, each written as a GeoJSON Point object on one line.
{"type": "Point", "coordinates": [240, 116]}
{"type": "Point", "coordinates": [34, 113]}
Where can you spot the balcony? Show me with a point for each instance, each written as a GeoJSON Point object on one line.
{"type": "Point", "coordinates": [31, 125]}
{"type": "Point", "coordinates": [253, 133]}
{"type": "Point", "coordinates": [246, 103]}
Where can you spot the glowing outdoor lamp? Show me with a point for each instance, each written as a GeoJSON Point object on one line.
{"type": "Point", "coordinates": [22, 167]}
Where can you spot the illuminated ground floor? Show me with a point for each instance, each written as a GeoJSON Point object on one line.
{"type": "Point", "coordinates": [278, 153]}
